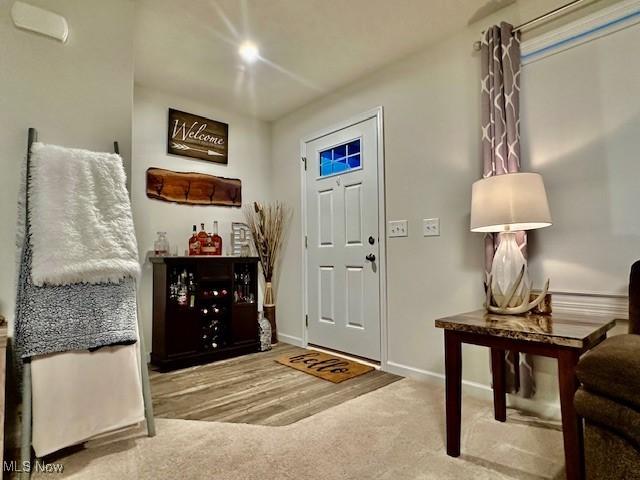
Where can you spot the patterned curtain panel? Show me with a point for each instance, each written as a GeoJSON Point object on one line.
{"type": "Point", "coordinates": [500, 97]}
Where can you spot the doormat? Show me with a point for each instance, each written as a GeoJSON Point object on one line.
{"type": "Point", "coordinates": [328, 367]}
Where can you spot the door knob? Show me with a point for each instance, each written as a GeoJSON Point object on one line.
{"type": "Point", "coordinates": [371, 257]}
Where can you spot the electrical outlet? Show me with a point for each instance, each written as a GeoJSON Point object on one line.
{"type": "Point", "coordinates": [431, 227]}
{"type": "Point", "coordinates": [398, 228]}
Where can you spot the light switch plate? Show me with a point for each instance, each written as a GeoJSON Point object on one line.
{"type": "Point", "coordinates": [398, 228]}
{"type": "Point", "coordinates": [431, 227]}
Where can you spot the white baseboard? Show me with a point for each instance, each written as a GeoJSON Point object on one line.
{"type": "Point", "coordinates": [472, 388]}
{"type": "Point", "coordinates": [539, 408]}
{"type": "Point", "coordinates": [290, 339]}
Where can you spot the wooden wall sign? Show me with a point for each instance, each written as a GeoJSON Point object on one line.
{"type": "Point", "coordinates": [197, 137]}
{"type": "Point", "coordinates": [193, 188]}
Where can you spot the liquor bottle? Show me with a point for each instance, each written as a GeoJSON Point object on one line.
{"type": "Point", "coordinates": [191, 289]}
{"type": "Point", "coordinates": [202, 238]}
{"type": "Point", "coordinates": [207, 246]}
{"type": "Point", "coordinates": [194, 243]}
{"type": "Point", "coordinates": [216, 240]}
{"type": "Point", "coordinates": [161, 245]}
{"type": "Point", "coordinates": [183, 293]}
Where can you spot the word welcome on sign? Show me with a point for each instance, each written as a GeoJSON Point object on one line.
{"type": "Point", "coordinates": [197, 137]}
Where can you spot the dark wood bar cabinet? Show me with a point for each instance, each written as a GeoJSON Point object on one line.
{"type": "Point", "coordinates": [204, 309]}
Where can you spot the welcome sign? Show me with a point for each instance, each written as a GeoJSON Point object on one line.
{"type": "Point", "coordinates": [197, 137]}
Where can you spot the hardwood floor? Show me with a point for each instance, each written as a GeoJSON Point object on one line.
{"type": "Point", "coordinates": [254, 389]}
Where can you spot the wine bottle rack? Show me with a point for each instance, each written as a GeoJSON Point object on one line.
{"type": "Point", "coordinates": [204, 309]}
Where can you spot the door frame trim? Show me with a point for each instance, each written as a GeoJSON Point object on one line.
{"type": "Point", "coordinates": [376, 113]}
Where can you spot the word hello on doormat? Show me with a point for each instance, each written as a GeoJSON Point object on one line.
{"type": "Point", "coordinates": [326, 366]}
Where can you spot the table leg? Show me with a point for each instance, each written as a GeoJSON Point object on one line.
{"type": "Point", "coordinates": [571, 425]}
{"type": "Point", "coordinates": [453, 373]}
{"type": "Point", "coordinates": [499, 381]}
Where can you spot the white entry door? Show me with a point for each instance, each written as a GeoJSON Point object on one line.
{"type": "Point", "coordinates": [343, 274]}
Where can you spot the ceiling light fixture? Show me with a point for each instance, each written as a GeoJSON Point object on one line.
{"type": "Point", "coordinates": [249, 52]}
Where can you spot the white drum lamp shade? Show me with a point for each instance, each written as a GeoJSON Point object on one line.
{"type": "Point", "coordinates": [510, 202]}
{"type": "Point", "coordinates": [506, 204]}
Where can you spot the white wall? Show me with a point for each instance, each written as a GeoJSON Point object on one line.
{"type": "Point", "coordinates": [431, 121]}
{"type": "Point", "coordinates": [431, 117]}
{"type": "Point", "coordinates": [580, 124]}
{"type": "Point", "coordinates": [249, 160]}
{"type": "Point", "coordinates": [79, 94]}
{"type": "Point", "coordinates": [581, 131]}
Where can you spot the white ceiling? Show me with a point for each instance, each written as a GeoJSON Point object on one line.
{"type": "Point", "coordinates": [309, 47]}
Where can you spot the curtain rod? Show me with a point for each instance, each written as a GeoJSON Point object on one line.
{"type": "Point", "coordinates": [539, 19]}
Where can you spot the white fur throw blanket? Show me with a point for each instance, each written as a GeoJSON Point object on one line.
{"type": "Point", "coordinates": [79, 217]}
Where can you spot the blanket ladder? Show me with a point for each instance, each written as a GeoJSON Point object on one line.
{"type": "Point", "coordinates": [25, 437]}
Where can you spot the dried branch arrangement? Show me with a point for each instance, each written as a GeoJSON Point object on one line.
{"type": "Point", "coordinates": [267, 223]}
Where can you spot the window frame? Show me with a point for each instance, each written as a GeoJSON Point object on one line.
{"type": "Point", "coordinates": [344, 172]}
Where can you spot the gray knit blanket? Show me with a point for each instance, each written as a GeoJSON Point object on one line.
{"type": "Point", "coordinates": [75, 316]}
{"type": "Point", "coordinates": [80, 316]}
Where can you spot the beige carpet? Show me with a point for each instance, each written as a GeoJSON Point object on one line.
{"type": "Point", "coordinates": [394, 433]}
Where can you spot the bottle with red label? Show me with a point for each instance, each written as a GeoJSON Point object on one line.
{"type": "Point", "coordinates": [207, 246]}
{"type": "Point", "coordinates": [194, 243]}
{"type": "Point", "coordinates": [203, 237]}
{"type": "Point", "coordinates": [216, 240]}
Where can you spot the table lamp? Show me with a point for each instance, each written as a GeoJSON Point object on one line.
{"type": "Point", "coordinates": [507, 204]}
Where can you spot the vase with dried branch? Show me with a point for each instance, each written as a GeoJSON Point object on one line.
{"type": "Point", "coordinates": [267, 223]}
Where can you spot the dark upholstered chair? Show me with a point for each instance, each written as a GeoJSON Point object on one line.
{"type": "Point", "coordinates": [609, 399]}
